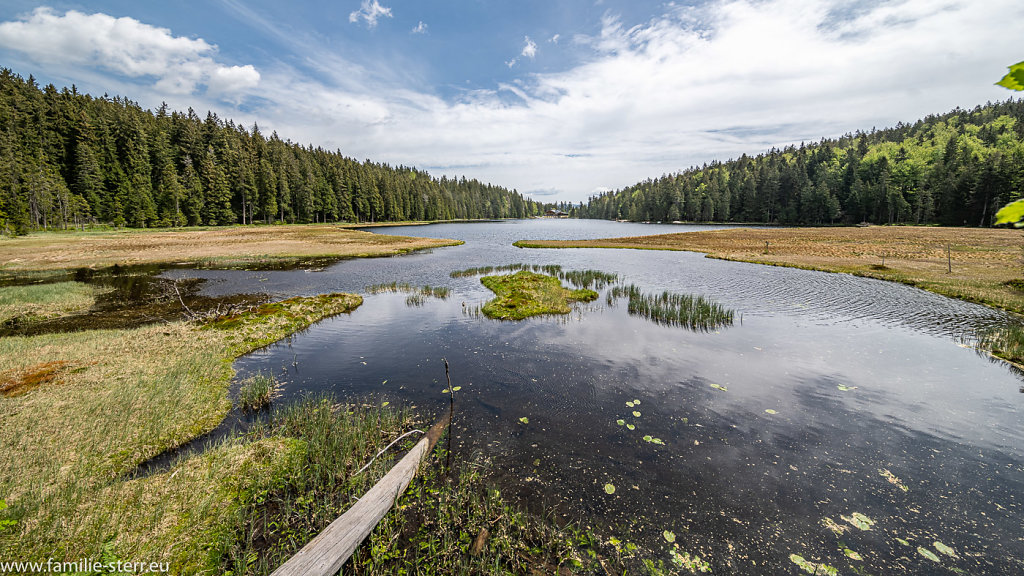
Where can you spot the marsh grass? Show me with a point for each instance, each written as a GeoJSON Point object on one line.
{"type": "Point", "coordinates": [1006, 342]}
{"type": "Point", "coordinates": [257, 391]}
{"type": "Point", "coordinates": [44, 301]}
{"type": "Point", "coordinates": [102, 402]}
{"type": "Point", "coordinates": [525, 294]}
{"type": "Point", "coordinates": [549, 269]}
{"type": "Point", "coordinates": [693, 312]}
{"type": "Point", "coordinates": [421, 292]}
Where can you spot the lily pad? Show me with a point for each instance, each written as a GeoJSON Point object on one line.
{"type": "Point", "coordinates": [636, 414]}
{"type": "Point", "coordinates": [657, 441]}
{"type": "Point", "coordinates": [902, 541]}
{"type": "Point", "coordinates": [524, 420]}
{"type": "Point", "coordinates": [648, 438]}
{"type": "Point", "coordinates": [719, 387]}
{"type": "Point", "coordinates": [630, 426]}
{"type": "Point", "coordinates": [609, 488]}
{"type": "Point", "coordinates": [928, 554]}
{"type": "Point", "coordinates": [852, 555]}
{"type": "Point", "coordinates": [944, 549]}
{"type": "Point", "coordinates": [670, 537]}
{"type": "Point", "coordinates": [859, 520]}
{"type": "Point", "coordinates": [620, 422]}
{"type": "Point", "coordinates": [636, 402]}
{"type": "Point", "coordinates": [811, 567]}
{"type": "Point", "coordinates": [630, 404]}
{"type": "Point", "coordinates": [770, 411]}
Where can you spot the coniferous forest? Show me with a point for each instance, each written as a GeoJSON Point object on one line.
{"type": "Point", "coordinates": [68, 159]}
{"type": "Point", "coordinates": [958, 169]}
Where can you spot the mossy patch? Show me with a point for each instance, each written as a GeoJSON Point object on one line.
{"type": "Point", "coordinates": [525, 294]}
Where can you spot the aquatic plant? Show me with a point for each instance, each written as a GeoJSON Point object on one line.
{"type": "Point", "coordinates": [589, 278]}
{"type": "Point", "coordinates": [257, 391]}
{"type": "Point", "coordinates": [419, 293]}
{"type": "Point", "coordinates": [1005, 341]}
{"type": "Point", "coordinates": [693, 312]}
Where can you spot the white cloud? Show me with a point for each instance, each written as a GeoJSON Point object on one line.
{"type": "Point", "coordinates": [529, 48]}
{"type": "Point", "coordinates": [554, 39]}
{"type": "Point", "coordinates": [370, 12]}
{"type": "Point", "coordinates": [126, 47]}
{"type": "Point", "coordinates": [420, 28]}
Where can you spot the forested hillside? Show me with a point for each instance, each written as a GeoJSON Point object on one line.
{"type": "Point", "coordinates": [958, 168]}
{"type": "Point", "coordinates": [68, 159]}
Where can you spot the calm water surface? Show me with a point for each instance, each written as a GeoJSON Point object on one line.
{"type": "Point", "coordinates": [877, 408]}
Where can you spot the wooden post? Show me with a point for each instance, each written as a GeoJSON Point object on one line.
{"type": "Point", "coordinates": [325, 554]}
{"type": "Point", "coordinates": [949, 261]}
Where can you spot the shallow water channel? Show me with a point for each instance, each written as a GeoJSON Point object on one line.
{"type": "Point", "coordinates": [834, 395]}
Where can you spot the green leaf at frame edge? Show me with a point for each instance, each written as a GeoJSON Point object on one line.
{"type": "Point", "coordinates": [1014, 80]}
{"type": "Point", "coordinates": [1011, 213]}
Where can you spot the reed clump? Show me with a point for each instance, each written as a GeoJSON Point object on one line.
{"type": "Point", "coordinates": [421, 292]}
{"type": "Point", "coordinates": [693, 312]}
{"type": "Point", "coordinates": [257, 391]}
{"type": "Point", "coordinates": [1005, 341]}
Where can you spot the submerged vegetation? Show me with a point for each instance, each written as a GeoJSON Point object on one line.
{"type": "Point", "coordinates": [693, 312]}
{"type": "Point", "coordinates": [526, 294]}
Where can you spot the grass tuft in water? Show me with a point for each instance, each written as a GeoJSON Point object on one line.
{"type": "Point", "coordinates": [417, 294]}
{"type": "Point", "coordinates": [693, 312]}
{"type": "Point", "coordinates": [257, 391]}
{"type": "Point", "coordinates": [1005, 341]}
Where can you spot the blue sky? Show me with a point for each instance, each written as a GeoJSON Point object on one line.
{"type": "Point", "coordinates": [556, 99]}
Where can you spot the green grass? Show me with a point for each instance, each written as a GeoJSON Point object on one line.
{"type": "Point", "coordinates": [257, 391]}
{"type": "Point", "coordinates": [403, 287]}
{"type": "Point", "coordinates": [1006, 342]}
{"type": "Point", "coordinates": [43, 301]}
{"type": "Point", "coordinates": [86, 408]}
{"type": "Point", "coordinates": [694, 312]}
{"type": "Point", "coordinates": [526, 294]}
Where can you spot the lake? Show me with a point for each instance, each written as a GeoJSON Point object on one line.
{"type": "Point", "coordinates": [837, 415]}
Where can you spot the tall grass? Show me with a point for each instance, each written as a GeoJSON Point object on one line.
{"type": "Point", "coordinates": [1005, 341]}
{"type": "Point", "coordinates": [406, 288]}
{"type": "Point", "coordinates": [693, 312]}
{"type": "Point", "coordinates": [257, 391]}
{"type": "Point", "coordinates": [41, 301]}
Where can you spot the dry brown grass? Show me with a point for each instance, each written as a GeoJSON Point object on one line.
{"type": "Point", "coordinates": [203, 246]}
{"type": "Point", "coordinates": [984, 260]}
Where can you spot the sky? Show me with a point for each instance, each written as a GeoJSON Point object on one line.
{"type": "Point", "coordinates": [559, 100]}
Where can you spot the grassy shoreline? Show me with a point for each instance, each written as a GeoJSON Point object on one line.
{"type": "Point", "coordinates": [983, 261]}
{"type": "Point", "coordinates": [221, 247]}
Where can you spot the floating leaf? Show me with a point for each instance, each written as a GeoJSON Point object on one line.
{"type": "Point", "coordinates": [630, 426]}
{"type": "Point", "coordinates": [928, 554]}
{"type": "Point", "coordinates": [383, 404]}
{"type": "Point", "coordinates": [770, 411]}
{"type": "Point", "coordinates": [719, 387]}
{"type": "Point", "coordinates": [944, 549]}
{"type": "Point", "coordinates": [609, 488]}
{"type": "Point", "coordinates": [658, 441]}
{"type": "Point", "coordinates": [811, 567]}
{"type": "Point", "coordinates": [524, 420]}
{"type": "Point", "coordinates": [445, 391]}
{"type": "Point", "coordinates": [844, 388]}
{"type": "Point", "coordinates": [648, 438]}
{"type": "Point", "coordinates": [852, 555]}
{"type": "Point", "coordinates": [636, 402]}
{"type": "Point", "coordinates": [456, 389]}
{"type": "Point", "coordinates": [859, 520]}
{"type": "Point", "coordinates": [620, 422]}
{"type": "Point", "coordinates": [670, 537]}
{"type": "Point", "coordinates": [384, 382]}
{"type": "Point", "coordinates": [636, 414]}
{"type": "Point", "coordinates": [692, 563]}
{"type": "Point", "coordinates": [630, 404]}
{"type": "Point", "coordinates": [536, 462]}
{"type": "Point", "coordinates": [902, 541]}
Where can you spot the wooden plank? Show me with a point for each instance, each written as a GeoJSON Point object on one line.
{"type": "Point", "coordinates": [325, 554]}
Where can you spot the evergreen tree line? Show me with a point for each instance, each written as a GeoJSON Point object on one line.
{"type": "Point", "coordinates": [68, 159]}
{"type": "Point", "coordinates": [955, 169]}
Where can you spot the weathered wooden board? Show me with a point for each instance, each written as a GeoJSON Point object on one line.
{"type": "Point", "coordinates": [325, 554]}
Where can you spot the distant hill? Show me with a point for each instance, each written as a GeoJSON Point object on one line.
{"type": "Point", "coordinates": [958, 168]}
{"type": "Point", "coordinates": [69, 159]}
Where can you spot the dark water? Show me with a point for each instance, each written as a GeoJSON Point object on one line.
{"type": "Point", "coordinates": [866, 379]}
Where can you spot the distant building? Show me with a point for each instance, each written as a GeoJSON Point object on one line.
{"type": "Point", "coordinates": [556, 213]}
